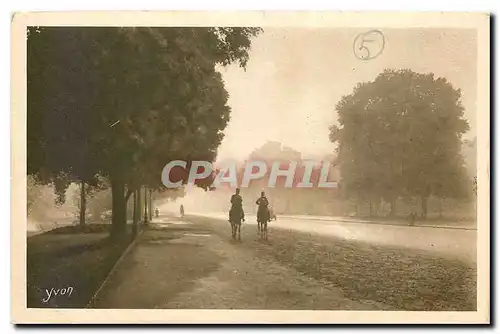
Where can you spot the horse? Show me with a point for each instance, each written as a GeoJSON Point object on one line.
{"type": "Point", "coordinates": [235, 221]}
{"type": "Point", "coordinates": [262, 220]}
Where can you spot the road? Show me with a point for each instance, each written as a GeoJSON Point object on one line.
{"type": "Point", "coordinates": [193, 263]}
{"type": "Point", "coordinates": [451, 243]}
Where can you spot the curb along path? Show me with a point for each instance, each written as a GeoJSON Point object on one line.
{"type": "Point", "coordinates": [132, 244]}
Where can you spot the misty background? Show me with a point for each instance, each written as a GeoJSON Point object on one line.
{"type": "Point", "coordinates": [287, 96]}
{"type": "Point", "coordinates": [296, 76]}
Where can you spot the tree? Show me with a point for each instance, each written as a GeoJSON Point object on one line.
{"type": "Point", "coordinates": [33, 192]}
{"type": "Point", "coordinates": [122, 102]}
{"type": "Point", "coordinates": [401, 134]}
{"type": "Point", "coordinates": [165, 194]}
{"type": "Point", "coordinates": [474, 185]}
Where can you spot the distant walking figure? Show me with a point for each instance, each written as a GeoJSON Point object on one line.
{"type": "Point", "coordinates": [157, 212]}
{"type": "Point", "coordinates": [412, 217]}
{"type": "Point", "coordinates": [182, 210]}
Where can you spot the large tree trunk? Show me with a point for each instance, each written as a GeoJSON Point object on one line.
{"type": "Point", "coordinates": [150, 197]}
{"type": "Point", "coordinates": [139, 205]}
{"type": "Point", "coordinates": [135, 214]}
{"type": "Point", "coordinates": [83, 203]}
{"type": "Point", "coordinates": [119, 220]}
{"type": "Point", "coordinates": [145, 205]}
{"type": "Point", "coordinates": [424, 206]}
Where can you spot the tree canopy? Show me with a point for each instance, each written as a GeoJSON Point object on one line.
{"type": "Point", "coordinates": [123, 102]}
{"type": "Point", "coordinates": [401, 135]}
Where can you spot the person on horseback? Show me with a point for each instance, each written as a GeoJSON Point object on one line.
{"type": "Point", "coordinates": [263, 210]}
{"type": "Point", "coordinates": [236, 206]}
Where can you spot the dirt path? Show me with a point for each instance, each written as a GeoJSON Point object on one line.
{"type": "Point", "coordinates": [193, 263]}
{"type": "Point", "coordinates": [186, 265]}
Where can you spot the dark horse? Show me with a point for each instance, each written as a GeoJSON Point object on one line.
{"type": "Point", "coordinates": [236, 217]}
{"type": "Point", "coordinates": [263, 216]}
{"type": "Point", "coordinates": [262, 220]}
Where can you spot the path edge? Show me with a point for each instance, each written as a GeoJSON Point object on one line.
{"type": "Point", "coordinates": [113, 269]}
{"type": "Point", "coordinates": [383, 223]}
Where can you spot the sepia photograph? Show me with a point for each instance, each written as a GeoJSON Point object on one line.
{"type": "Point", "coordinates": [250, 167]}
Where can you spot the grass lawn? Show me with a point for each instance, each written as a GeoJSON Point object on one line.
{"type": "Point", "coordinates": [69, 257]}
{"type": "Point", "coordinates": [402, 279]}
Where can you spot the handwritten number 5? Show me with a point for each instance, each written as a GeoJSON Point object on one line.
{"type": "Point", "coordinates": [362, 51]}
{"type": "Point", "coordinates": [363, 47]}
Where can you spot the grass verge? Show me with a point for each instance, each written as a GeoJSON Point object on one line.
{"type": "Point", "coordinates": [70, 257]}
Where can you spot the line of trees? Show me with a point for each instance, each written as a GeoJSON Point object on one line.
{"type": "Point", "coordinates": [119, 103]}
{"type": "Point", "coordinates": [400, 136]}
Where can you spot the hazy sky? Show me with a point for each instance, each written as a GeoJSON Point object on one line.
{"type": "Point", "coordinates": [296, 76]}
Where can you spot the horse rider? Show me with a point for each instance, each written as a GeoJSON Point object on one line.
{"type": "Point", "coordinates": [236, 205]}
{"type": "Point", "coordinates": [263, 210]}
